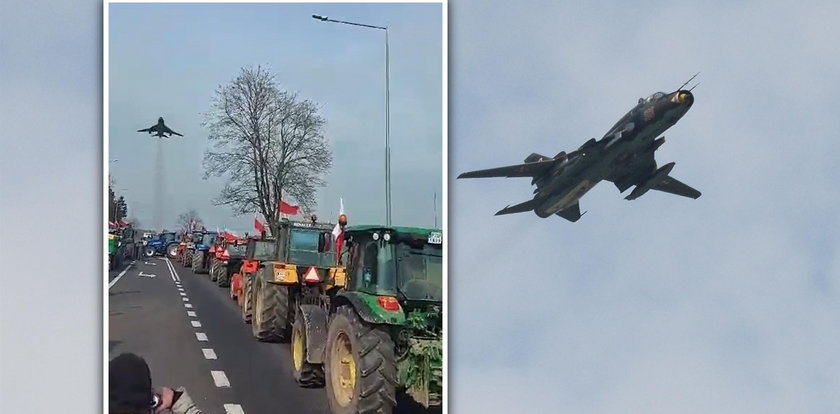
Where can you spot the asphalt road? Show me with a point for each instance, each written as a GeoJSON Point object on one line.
{"type": "Point", "coordinates": [191, 334]}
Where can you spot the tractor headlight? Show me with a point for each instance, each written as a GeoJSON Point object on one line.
{"type": "Point", "coordinates": [376, 236]}
{"type": "Point", "coordinates": [386, 237]}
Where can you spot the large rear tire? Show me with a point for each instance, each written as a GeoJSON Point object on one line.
{"type": "Point", "coordinates": [214, 264]}
{"type": "Point", "coordinates": [270, 322]}
{"type": "Point", "coordinates": [188, 255]}
{"type": "Point", "coordinates": [306, 374]}
{"type": "Point", "coordinates": [361, 369]}
{"type": "Point", "coordinates": [149, 252]}
{"type": "Point", "coordinates": [223, 277]}
{"type": "Point", "coordinates": [245, 298]}
{"type": "Point", "coordinates": [198, 259]}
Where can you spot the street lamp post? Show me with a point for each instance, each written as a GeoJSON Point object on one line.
{"type": "Point", "coordinates": [387, 112]}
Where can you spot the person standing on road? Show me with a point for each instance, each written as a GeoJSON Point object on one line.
{"type": "Point", "coordinates": [130, 390]}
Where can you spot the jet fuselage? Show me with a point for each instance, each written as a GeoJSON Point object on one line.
{"type": "Point", "coordinates": [635, 133]}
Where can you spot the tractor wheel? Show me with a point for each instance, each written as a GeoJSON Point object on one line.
{"type": "Point", "coordinates": [212, 271]}
{"type": "Point", "coordinates": [245, 298]}
{"type": "Point", "coordinates": [306, 374]}
{"type": "Point", "coordinates": [231, 292]}
{"type": "Point", "coordinates": [172, 251]}
{"type": "Point", "coordinates": [198, 258]}
{"type": "Point", "coordinates": [271, 312]}
{"type": "Point", "coordinates": [223, 278]}
{"type": "Point", "coordinates": [149, 252]}
{"type": "Point", "coordinates": [361, 369]}
{"type": "Point", "coordinates": [187, 262]}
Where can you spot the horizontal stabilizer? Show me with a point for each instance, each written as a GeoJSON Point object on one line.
{"type": "Point", "coordinates": [571, 213]}
{"type": "Point", "coordinates": [672, 185]}
{"type": "Point", "coordinates": [519, 208]}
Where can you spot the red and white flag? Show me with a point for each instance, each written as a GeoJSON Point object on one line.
{"type": "Point", "coordinates": [290, 209]}
{"type": "Point", "coordinates": [258, 224]}
{"type": "Point", "coordinates": [287, 208]}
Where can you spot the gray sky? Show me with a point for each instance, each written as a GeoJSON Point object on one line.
{"type": "Point", "coordinates": [727, 303]}
{"type": "Point", "coordinates": [168, 59]}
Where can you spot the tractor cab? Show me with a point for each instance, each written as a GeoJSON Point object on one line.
{"type": "Point", "coordinates": [392, 292]}
{"type": "Point", "coordinates": [403, 262]}
{"type": "Point", "coordinates": [204, 250]}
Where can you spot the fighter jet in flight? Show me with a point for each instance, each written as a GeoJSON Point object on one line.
{"type": "Point", "coordinates": [624, 156]}
{"type": "Point", "coordinates": [160, 129]}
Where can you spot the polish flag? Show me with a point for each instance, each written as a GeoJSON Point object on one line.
{"type": "Point", "coordinates": [258, 225]}
{"type": "Point", "coordinates": [286, 208]}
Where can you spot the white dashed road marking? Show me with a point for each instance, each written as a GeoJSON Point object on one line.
{"type": "Point", "coordinates": [185, 299]}
{"type": "Point", "coordinates": [191, 313]}
{"type": "Point", "coordinates": [183, 294]}
{"type": "Point", "coordinates": [209, 353]}
{"type": "Point", "coordinates": [201, 336]}
{"type": "Point", "coordinates": [234, 409]}
{"type": "Point", "coordinates": [220, 378]}
{"type": "Point", "coordinates": [188, 305]}
{"type": "Point", "coordinates": [196, 324]}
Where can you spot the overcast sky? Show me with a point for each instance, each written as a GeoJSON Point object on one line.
{"type": "Point", "coordinates": [727, 303]}
{"type": "Point", "coordinates": [168, 59]}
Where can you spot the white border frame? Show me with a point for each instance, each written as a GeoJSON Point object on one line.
{"type": "Point", "coordinates": [444, 165]}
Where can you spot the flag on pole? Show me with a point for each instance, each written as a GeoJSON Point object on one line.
{"type": "Point", "coordinates": [258, 224]}
{"type": "Point", "coordinates": [286, 208]}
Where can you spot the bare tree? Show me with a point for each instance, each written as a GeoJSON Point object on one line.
{"type": "Point", "coordinates": [186, 219]}
{"type": "Point", "coordinates": [266, 141]}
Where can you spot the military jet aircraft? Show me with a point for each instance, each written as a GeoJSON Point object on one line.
{"type": "Point", "coordinates": [160, 129]}
{"type": "Point", "coordinates": [624, 156]}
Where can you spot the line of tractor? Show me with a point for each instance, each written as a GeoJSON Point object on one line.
{"type": "Point", "coordinates": [361, 306]}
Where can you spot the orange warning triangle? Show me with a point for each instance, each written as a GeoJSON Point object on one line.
{"type": "Point", "coordinates": [311, 275]}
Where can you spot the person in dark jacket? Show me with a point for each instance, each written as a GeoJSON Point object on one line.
{"type": "Point", "coordinates": [130, 390]}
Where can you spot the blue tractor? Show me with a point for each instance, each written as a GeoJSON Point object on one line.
{"type": "Point", "coordinates": [165, 244]}
{"type": "Point", "coordinates": [201, 255]}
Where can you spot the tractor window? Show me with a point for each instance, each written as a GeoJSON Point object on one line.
{"type": "Point", "coordinates": [304, 240]}
{"type": "Point", "coordinates": [236, 249]}
{"type": "Point", "coordinates": [167, 237]}
{"type": "Point", "coordinates": [304, 248]}
{"type": "Point", "coordinates": [196, 238]}
{"type": "Point", "coordinates": [263, 250]}
{"type": "Point", "coordinates": [420, 274]}
{"type": "Point", "coordinates": [376, 272]}
{"type": "Point", "coordinates": [369, 269]}
{"type": "Point", "coordinates": [208, 239]}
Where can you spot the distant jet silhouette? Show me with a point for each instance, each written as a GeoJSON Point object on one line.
{"type": "Point", "coordinates": [160, 129]}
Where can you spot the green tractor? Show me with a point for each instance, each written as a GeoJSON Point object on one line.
{"type": "Point", "coordinates": [379, 336]}
{"type": "Point", "coordinates": [114, 249]}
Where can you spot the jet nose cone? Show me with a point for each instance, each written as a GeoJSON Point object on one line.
{"type": "Point", "coordinates": [683, 97]}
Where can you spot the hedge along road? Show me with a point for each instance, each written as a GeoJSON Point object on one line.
{"type": "Point", "coordinates": [191, 327]}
